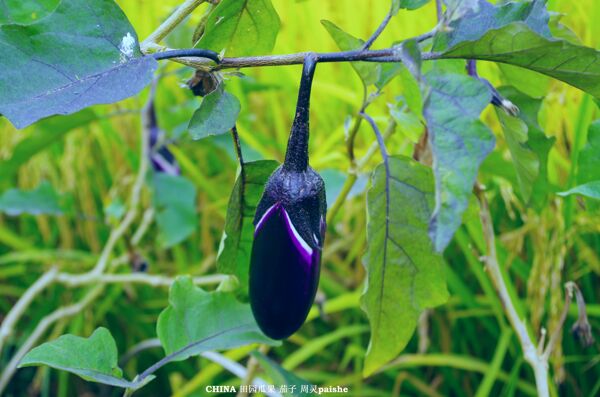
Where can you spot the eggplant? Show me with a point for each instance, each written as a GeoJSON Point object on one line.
{"type": "Point", "coordinates": [289, 231]}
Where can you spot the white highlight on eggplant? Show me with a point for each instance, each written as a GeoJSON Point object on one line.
{"type": "Point", "coordinates": [265, 216]}
{"type": "Point", "coordinates": [297, 236]}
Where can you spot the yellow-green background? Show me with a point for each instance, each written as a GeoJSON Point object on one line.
{"type": "Point", "coordinates": [97, 163]}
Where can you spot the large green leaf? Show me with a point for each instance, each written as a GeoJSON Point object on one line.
{"type": "Point", "coordinates": [82, 54]}
{"type": "Point", "coordinates": [94, 358]}
{"type": "Point", "coordinates": [216, 115]}
{"type": "Point", "coordinates": [175, 202]}
{"type": "Point", "coordinates": [404, 273]}
{"type": "Point", "coordinates": [41, 200]}
{"type": "Point", "coordinates": [531, 83]}
{"type": "Point", "coordinates": [236, 244]}
{"type": "Point", "coordinates": [368, 71]}
{"type": "Point", "coordinates": [197, 321]}
{"type": "Point", "coordinates": [516, 44]}
{"type": "Point", "coordinates": [241, 28]}
{"type": "Point", "coordinates": [589, 157]}
{"type": "Point", "coordinates": [25, 12]}
{"type": "Point", "coordinates": [45, 133]}
{"type": "Point", "coordinates": [459, 143]}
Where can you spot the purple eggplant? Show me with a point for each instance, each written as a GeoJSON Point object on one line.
{"type": "Point", "coordinates": [289, 231]}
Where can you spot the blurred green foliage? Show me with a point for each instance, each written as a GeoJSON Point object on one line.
{"type": "Point", "coordinates": [467, 345]}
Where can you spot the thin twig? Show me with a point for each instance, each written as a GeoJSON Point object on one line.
{"type": "Point", "coordinates": [147, 219]}
{"type": "Point", "coordinates": [379, 30]}
{"type": "Point", "coordinates": [557, 332]}
{"type": "Point", "coordinates": [134, 278]}
{"type": "Point", "coordinates": [438, 9]}
{"type": "Point", "coordinates": [171, 22]}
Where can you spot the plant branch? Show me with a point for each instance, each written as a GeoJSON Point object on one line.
{"type": "Point", "coordinates": [171, 22]}
{"type": "Point", "coordinates": [192, 52]}
{"type": "Point", "coordinates": [383, 55]}
{"type": "Point", "coordinates": [61, 313]}
{"type": "Point", "coordinates": [379, 30]}
{"type": "Point", "coordinates": [250, 372]}
{"type": "Point", "coordinates": [530, 352]}
{"type": "Point", "coordinates": [23, 303]}
{"type": "Point", "coordinates": [134, 278]}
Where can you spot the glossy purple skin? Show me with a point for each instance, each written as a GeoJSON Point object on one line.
{"type": "Point", "coordinates": [284, 274]}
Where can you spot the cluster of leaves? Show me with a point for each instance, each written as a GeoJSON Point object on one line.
{"type": "Point", "coordinates": [413, 211]}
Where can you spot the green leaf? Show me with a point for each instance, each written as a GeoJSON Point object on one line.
{"type": "Point", "coordinates": [41, 200]}
{"type": "Point", "coordinates": [83, 55]}
{"type": "Point", "coordinates": [368, 71]}
{"type": "Point", "coordinates": [459, 143]}
{"type": "Point", "coordinates": [518, 45]}
{"type": "Point", "coordinates": [25, 12]}
{"type": "Point", "coordinates": [475, 18]}
{"type": "Point", "coordinates": [561, 31]}
{"type": "Point", "coordinates": [404, 273]}
{"type": "Point", "coordinates": [589, 157]}
{"type": "Point", "coordinates": [412, 4]}
{"type": "Point", "coordinates": [216, 115]}
{"type": "Point", "coordinates": [527, 144]}
{"type": "Point", "coordinates": [529, 82]}
{"type": "Point", "coordinates": [94, 358]}
{"type": "Point", "coordinates": [590, 189]}
{"type": "Point", "coordinates": [241, 28]}
{"type": "Point", "coordinates": [45, 133]}
{"type": "Point", "coordinates": [236, 244]}
{"type": "Point", "coordinates": [197, 321]}
{"type": "Point", "coordinates": [280, 376]}
{"type": "Point", "coordinates": [408, 123]}
{"type": "Point", "coordinates": [175, 203]}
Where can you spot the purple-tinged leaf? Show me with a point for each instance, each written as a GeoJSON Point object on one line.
{"type": "Point", "coordinates": [81, 55]}
{"type": "Point", "coordinates": [459, 143]}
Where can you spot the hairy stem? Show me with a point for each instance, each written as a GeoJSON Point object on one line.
{"type": "Point", "coordinates": [186, 57]}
